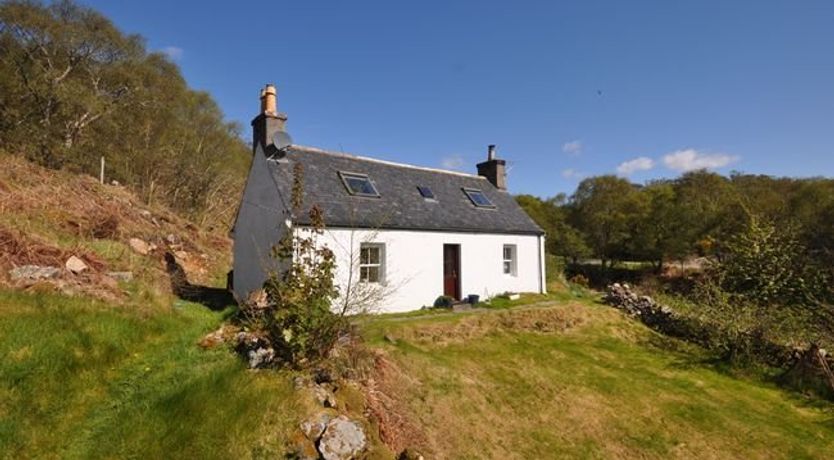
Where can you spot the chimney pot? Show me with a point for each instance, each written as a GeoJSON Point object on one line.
{"type": "Point", "coordinates": [269, 100]}
{"type": "Point", "coordinates": [491, 152]}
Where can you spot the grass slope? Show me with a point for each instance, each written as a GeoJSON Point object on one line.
{"type": "Point", "coordinates": [605, 388]}
{"type": "Point", "coordinates": [81, 379]}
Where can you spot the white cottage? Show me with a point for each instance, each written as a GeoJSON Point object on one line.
{"type": "Point", "coordinates": [415, 232]}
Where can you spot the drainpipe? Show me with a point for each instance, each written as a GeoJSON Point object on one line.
{"type": "Point", "coordinates": [542, 276]}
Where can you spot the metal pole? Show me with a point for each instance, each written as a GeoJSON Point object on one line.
{"type": "Point", "coordinates": [101, 175]}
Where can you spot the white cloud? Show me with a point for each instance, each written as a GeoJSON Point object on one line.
{"type": "Point", "coordinates": [691, 159]}
{"type": "Point", "coordinates": [454, 162]}
{"type": "Point", "coordinates": [572, 147]}
{"type": "Point", "coordinates": [173, 52]}
{"type": "Point", "coordinates": [630, 167]}
{"type": "Point", "coordinates": [571, 173]}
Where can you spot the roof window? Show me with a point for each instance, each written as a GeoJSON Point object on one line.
{"type": "Point", "coordinates": [478, 198]}
{"type": "Point", "coordinates": [358, 184]}
{"type": "Point", "coordinates": [425, 192]}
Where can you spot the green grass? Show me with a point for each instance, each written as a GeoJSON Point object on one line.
{"type": "Point", "coordinates": [608, 388]}
{"type": "Point", "coordinates": [80, 379]}
{"type": "Point", "coordinates": [83, 379]}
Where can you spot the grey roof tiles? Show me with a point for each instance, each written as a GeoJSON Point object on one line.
{"type": "Point", "coordinates": [400, 204]}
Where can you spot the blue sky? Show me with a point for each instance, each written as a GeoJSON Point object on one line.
{"type": "Point", "coordinates": [645, 89]}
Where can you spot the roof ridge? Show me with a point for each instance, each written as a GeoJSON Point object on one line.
{"type": "Point", "coordinates": [386, 162]}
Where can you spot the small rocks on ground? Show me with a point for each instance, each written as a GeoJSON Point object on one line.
{"type": "Point", "coordinates": [222, 335]}
{"type": "Point", "coordinates": [140, 247]}
{"type": "Point", "coordinates": [324, 396]}
{"type": "Point", "coordinates": [343, 439]}
{"type": "Point", "coordinates": [75, 265]}
{"type": "Point", "coordinates": [315, 426]}
{"type": "Point", "coordinates": [257, 351]}
{"type": "Point", "coordinates": [34, 272]}
{"type": "Point", "coordinates": [299, 382]}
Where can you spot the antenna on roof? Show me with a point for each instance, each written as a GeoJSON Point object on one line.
{"type": "Point", "coordinates": [281, 141]}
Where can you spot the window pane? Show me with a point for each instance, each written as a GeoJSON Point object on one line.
{"type": "Point", "coordinates": [426, 192]}
{"type": "Point", "coordinates": [373, 274]}
{"type": "Point", "coordinates": [363, 273]}
{"type": "Point", "coordinates": [358, 184]}
{"type": "Point", "coordinates": [373, 255]}
{"type": "Point", "coordinates": [364, 255]}
{"type": "Point", "coordinates": [508, 253]}
{"type": "Point", "coordinates": [478, 198]}
{"type": "Point", "coordinates": [508, 267]}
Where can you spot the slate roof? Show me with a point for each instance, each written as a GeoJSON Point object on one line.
{"type": "Point", "coordinates": [400, 205]}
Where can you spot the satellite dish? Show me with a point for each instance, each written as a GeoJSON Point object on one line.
{"type": "Point", "coordinates": [281, 141]}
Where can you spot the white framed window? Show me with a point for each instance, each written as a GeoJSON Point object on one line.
{"type": "Point", "coordinates": [510, 262]}
{"type": "Point", "coordinates": [371, 263]}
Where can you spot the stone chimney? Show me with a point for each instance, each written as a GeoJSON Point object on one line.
{"type": "Point", "coordinates": [494, 170]}
{"type": "Point", "coordinates": [269, 121]}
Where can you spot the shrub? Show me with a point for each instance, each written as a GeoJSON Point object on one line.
{"type": "Point", "coordinates": [297, 319]}
{"type": "Point", "coordinates": [768, 265]}
{"type": "Point", "coordinates": [444, 301]}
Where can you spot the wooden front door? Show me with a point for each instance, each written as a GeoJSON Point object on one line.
{"type": "Point", "coordinates": [451, 270]}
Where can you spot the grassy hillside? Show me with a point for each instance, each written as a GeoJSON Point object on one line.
{"type": "Point", "coordinates": [579, 380]}
{"type": "Point", "coordinates": [83, 379]}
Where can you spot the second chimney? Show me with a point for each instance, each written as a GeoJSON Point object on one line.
{"type": "Point", "coordinates": [270, 120]}
{"type": "Point", "coordinates": [494, 170]}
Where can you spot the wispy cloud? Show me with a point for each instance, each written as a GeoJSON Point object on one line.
{"type": "Point", "coordinates": [691, 159]}
{"type": "Point", "coordinates": [573, 174]}
{"type": "Point", "coordinates": [173, 52]}
{"type": "Point", "coordinates": [453, 162]}
{"type": "Point", "coordinates": [572, 147]}
{"type": "Point", "coordinates": [630, 167]}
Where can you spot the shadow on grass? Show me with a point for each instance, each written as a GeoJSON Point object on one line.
{"type": "Point", "coordinates": [216, 299]}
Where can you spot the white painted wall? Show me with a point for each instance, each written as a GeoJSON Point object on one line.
{"type": "Point", "coordinates": [414, 263]}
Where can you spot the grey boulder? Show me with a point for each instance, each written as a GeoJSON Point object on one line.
{"type": "Point", "coordinates": [343, 439]}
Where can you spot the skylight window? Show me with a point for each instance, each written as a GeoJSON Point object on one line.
{"type": "Point", "coordinates": [425, 192]}
{"type": "Point", "coordinates": [358, 184]}
{"type": "Point", "coordinates": [478, 198]}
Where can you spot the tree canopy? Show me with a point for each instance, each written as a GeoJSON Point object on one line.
{"type": "Point", "coordinates": [697, 214]}
{"type": "Point", "coordinates": [74, 88]}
